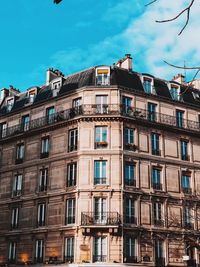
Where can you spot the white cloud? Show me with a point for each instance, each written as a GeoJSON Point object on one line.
{"type": "Point", "coordinates": [150, 43]}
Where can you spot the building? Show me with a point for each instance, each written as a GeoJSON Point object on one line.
{"type": "Point", "coordinates": [101, 166]}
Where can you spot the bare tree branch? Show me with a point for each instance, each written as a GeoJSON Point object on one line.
{"type": "Point", "coordinates": [151, 2]}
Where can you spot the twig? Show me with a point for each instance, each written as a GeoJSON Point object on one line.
{"type": "Point", "coordinates": [187, 10]}
{"type": "Point", "coordinates": [151, 2]}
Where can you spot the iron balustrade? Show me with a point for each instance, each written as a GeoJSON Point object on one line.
{"type": "Point", "coordinates": [160, 261]}
{"type": "Point", "coordinates": [130, 182]}
{"type": "Point", "coordinates": [187, 190]}
{"type": "Point", "coordinates": [16, 193]}
{"type": "Point", "coordinates": [131, 259]}
{"type": "Point", "coordinates": [100, 180]}
{"type": "Point", "coordinates": [188, 225]}
{"type": "Point", "coordinates": [42, 188]}
{"type": "Point", "coordinates": [158, 222]}
{"type": "Point", "coordinates": [157, 186]}
{"type": "Point", "coordinates": [101, 110]}
{"type": "Point", "coordinates": [99, 258]}
{"type": "Point", "coordinates": [131, 219]}
{"type": "Point", "coordinates": [103, 218]}
{"type": "Point", "coordinates": [69, 259]}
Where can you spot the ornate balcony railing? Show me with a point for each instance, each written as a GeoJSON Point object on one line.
{"type": "Point", "coordinates": [101, 110]}
{"type": "Point", "coordinates": [103, 218]}
{"type": "Point", "coordinates": [99, 258]}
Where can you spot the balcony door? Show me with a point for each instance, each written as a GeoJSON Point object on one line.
{"type": "Point", "coordinates": [100, 249]}
{"type": "Point", "coordinates": [101, 104]}
{"type": "Point", "coordinates": [100, 214]}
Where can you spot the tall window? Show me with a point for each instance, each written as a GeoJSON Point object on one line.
{"type": "Point", "coordinates": [25, 122]}
{"type": "Point", "coordinates": [100, 249]}
{"type": "Point", "coordinates": [159, 253]}
{"type": "Point", "coordinates": [76, 104]}
{"type": "Point", "coordinates": [50, 114]}
{"type": "Point", "coordinates": [102, 104]}
{"type": "Point", "coordinates": [69, 249]}
{"type": "Point", "coordinates": [44, 147]}
{"type": "Point", "coordinates": [3, 129]}
{"type": "Point", "coordinates": [14, 217]}
{"type": "Point", "coordinates": [184, 150]}
{"type": "Point", "coordinates": [73, 140]}
{"type": "Point", "coordinates": [70, 211]}
{"type": "Point", "coordinates": [100, 171]}
{"type": "Point", "coordinates": [43, 180]}
{"type": "Point", "coordinates": [100, 214]}
{"type": "Point", "coordinates": [10, 104]}
{"type": "Point", "coordinates": [179, 118]}
{"type": "Point", "coordinates": [185, 183]}
{"type": "Point", "coordinates": [126, 101]}
{"type": "Point", "coordinates": [71, 174]}
{"type": "Point", "coordinates": [19, 153]}
{"type": "Point", "coordinates": [187, 217]}
{"type": "Point", "coordinates": [41, 215]}
{"type": "Point", "coordinates": [157, 214]}
{"type": "Point", "coordinates": [155, 146]}
{"type": "Point", "coordinates": [39, 250]}
{"type": "Point", "coordinates": [129, 174]}
{"type": "Point", "coordinates": [174, 93]}
{"type": "Point", "coordinates": [130, 250]}
{"type": "Point", "coordinates": [17, 185]}
{"type": "Point", "coordinates": [129, 138]}
{"type": "Point", "coordinates": [152, 112]}
{"type": "Point", "coordinates": [156, 179]}
{"type": "Point", "coordinates": [130, 211]}
{"type": "Point", "coordinates": [12, 252]}
{"type": "Point", "coordinates": [101, 133]}
{"type": "Point", "coordinates": [147, 83]}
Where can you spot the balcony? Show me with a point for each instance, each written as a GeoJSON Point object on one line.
{"type": "Point", "coordinates": [130, 182]}
{"type": "Point", "coordinates": [130, 259]}
{"type": "Point", "coordinates": [157, 186]}
{"type": "Point", "coordinates": [104, 218]}
{"type": "Point", "coordinates": [158, 222]}
{"type": "Point", "coordinates": [16, 193]}
{"type": "Point", "coordinates": [44, 155]}
{"type": "Point", "coordinates": [187, 190]}
{"type": "Point", "coordinates": [136, 114]}
{"type": "Point", "coordinates": [156, 152]}
{"type": "Point", "coordinates": [130, 219]}
{"type": "Point", "coordinates": [159, 262]}
{"type": "Point", "coordinates": [185, 157]}
{"type": "Point", "coordinates": [99, 258]}
{"type": "Point", "coordinates": [42, 188]}
{"type": "Point", "coordinates": [100, 180]}
{"type": "Point", "coordinates": [100, 145]}
{"type": "Point", "coordinates": [188, 225]}
{"type": "Point", "coordinates": [69, 259]}
{"type": "Point", "coordinates": [19, 161]}
{"type": "Point", "coordinates": [129, 146]}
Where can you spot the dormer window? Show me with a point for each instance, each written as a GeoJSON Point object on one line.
{"type": "Point", "coordinates": [31, 96]}
{"type": "Point", "coordinates": [10, 103]}
{"type": "Point", "coordinates": [103, 76]}
{"type": "Point", "coordinates": [196, 95]}
{"type": "Point", "coordinates": [55, 86]}
{"type": "Point", "coordinates": [148, 85]}
{"type": "Point", "coordinates": [175, 92]}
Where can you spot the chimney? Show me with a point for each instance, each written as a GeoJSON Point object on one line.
{"type": "Point", "coordinates": [180, 78]}
{"type": "Point", "coordinates": [125, 63]}
{"type": "Point", "coordinates": [52, 74]}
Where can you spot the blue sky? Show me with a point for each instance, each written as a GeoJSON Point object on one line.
{"type": "Point", "coordinates": [78, 34]}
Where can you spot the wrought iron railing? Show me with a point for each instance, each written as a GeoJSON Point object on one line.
{"type": "Point", "coordinates": [159, 261]}
{"type": "Point", "coordinates": [102, 218]}
{"type": "Point", "coordinates": [130, 219]}
{"type": "Point", "coordinates": [101, 110]}
{"type": "Point", "coordinates": [130, 259]}
{"type": "Point", "coordinates": [99, 258]}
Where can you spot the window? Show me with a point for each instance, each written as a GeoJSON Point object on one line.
{"type": "Point", "coordinates": [31, 97]}
{"type": "Point", "coordinates": [19, 153]}
{"type": "Point", "coordinates": [100, 249]}
{"type": "Point", "coordinates": [129, 174]}
{"type": "Point", "coordinates": [41, 215]}
{"type": "Point", "coordinates": [179, 118]}
{"type": "Point", "coordinates": [100, 214]}
{"type": "Point", "coordinates": [126, 102]}
{"type": "Point", "coordinates": [130, 250]}
{"type": "Point", "coordinates": [10, 104]}
{"type": "Point", "coordinates": [100, 171]}
{"type": "Point", "coordinates": [101, 104]}
{"type": "Point", "coordinates": [156, 179]}
{"type": "Point", "coordinates": [12, 252]}
{"type": "Point", "coordinates": [76, 107]}
{"type": "Point", "coordinates": [73, 140]}
{"type": "Point", "coordinates": [17, 185]}
{"type": "Point", "coordinates": [185, 183]}
{"type": "Point", "coordinates": [187, 217]}
{"type": "Point", "coordinates": [157, 214]}
{"type": "Point", "coordinates": [129, 138]}
{"type": "Point", "coordinates": [14, 217]}
{"type": "Point", "coordinates": [71, 174]}
{"type": "Point", "coordinates": [101, 137]}
{"type": "Point", "coordinates": [174, 91]}
{"type": "Point", "coordinates": [69, 249]}
{"type": "Point", "coordinates": [155, 147]}
{"type": "Point", "coordinates": [152, 112]}
{"type": "Point", "coordinates": [50, 114]}
{"type": "Point", "coordinates": [184, 150]}
{"type": "Point", "coordinates": [43, 180]}
{"type": "Point", "coordinates": [25, 123]}
{"type": "Point", "coordinates": [130, 211]}
{"type": "Point", "coordinates": [102, 77]}
{"type": "Point", "coordinates": [44, 147]}
{"type": "Point", "coordinates": [147, 83]}
{"type": "Point", "coordinates": [159, 253]}
{"type": "Point", "coordinates": [3, 129]}
{"type": "Point", "coordinates": [39, 251]}
{"type": "Point", "coordinates": [70, 211]}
